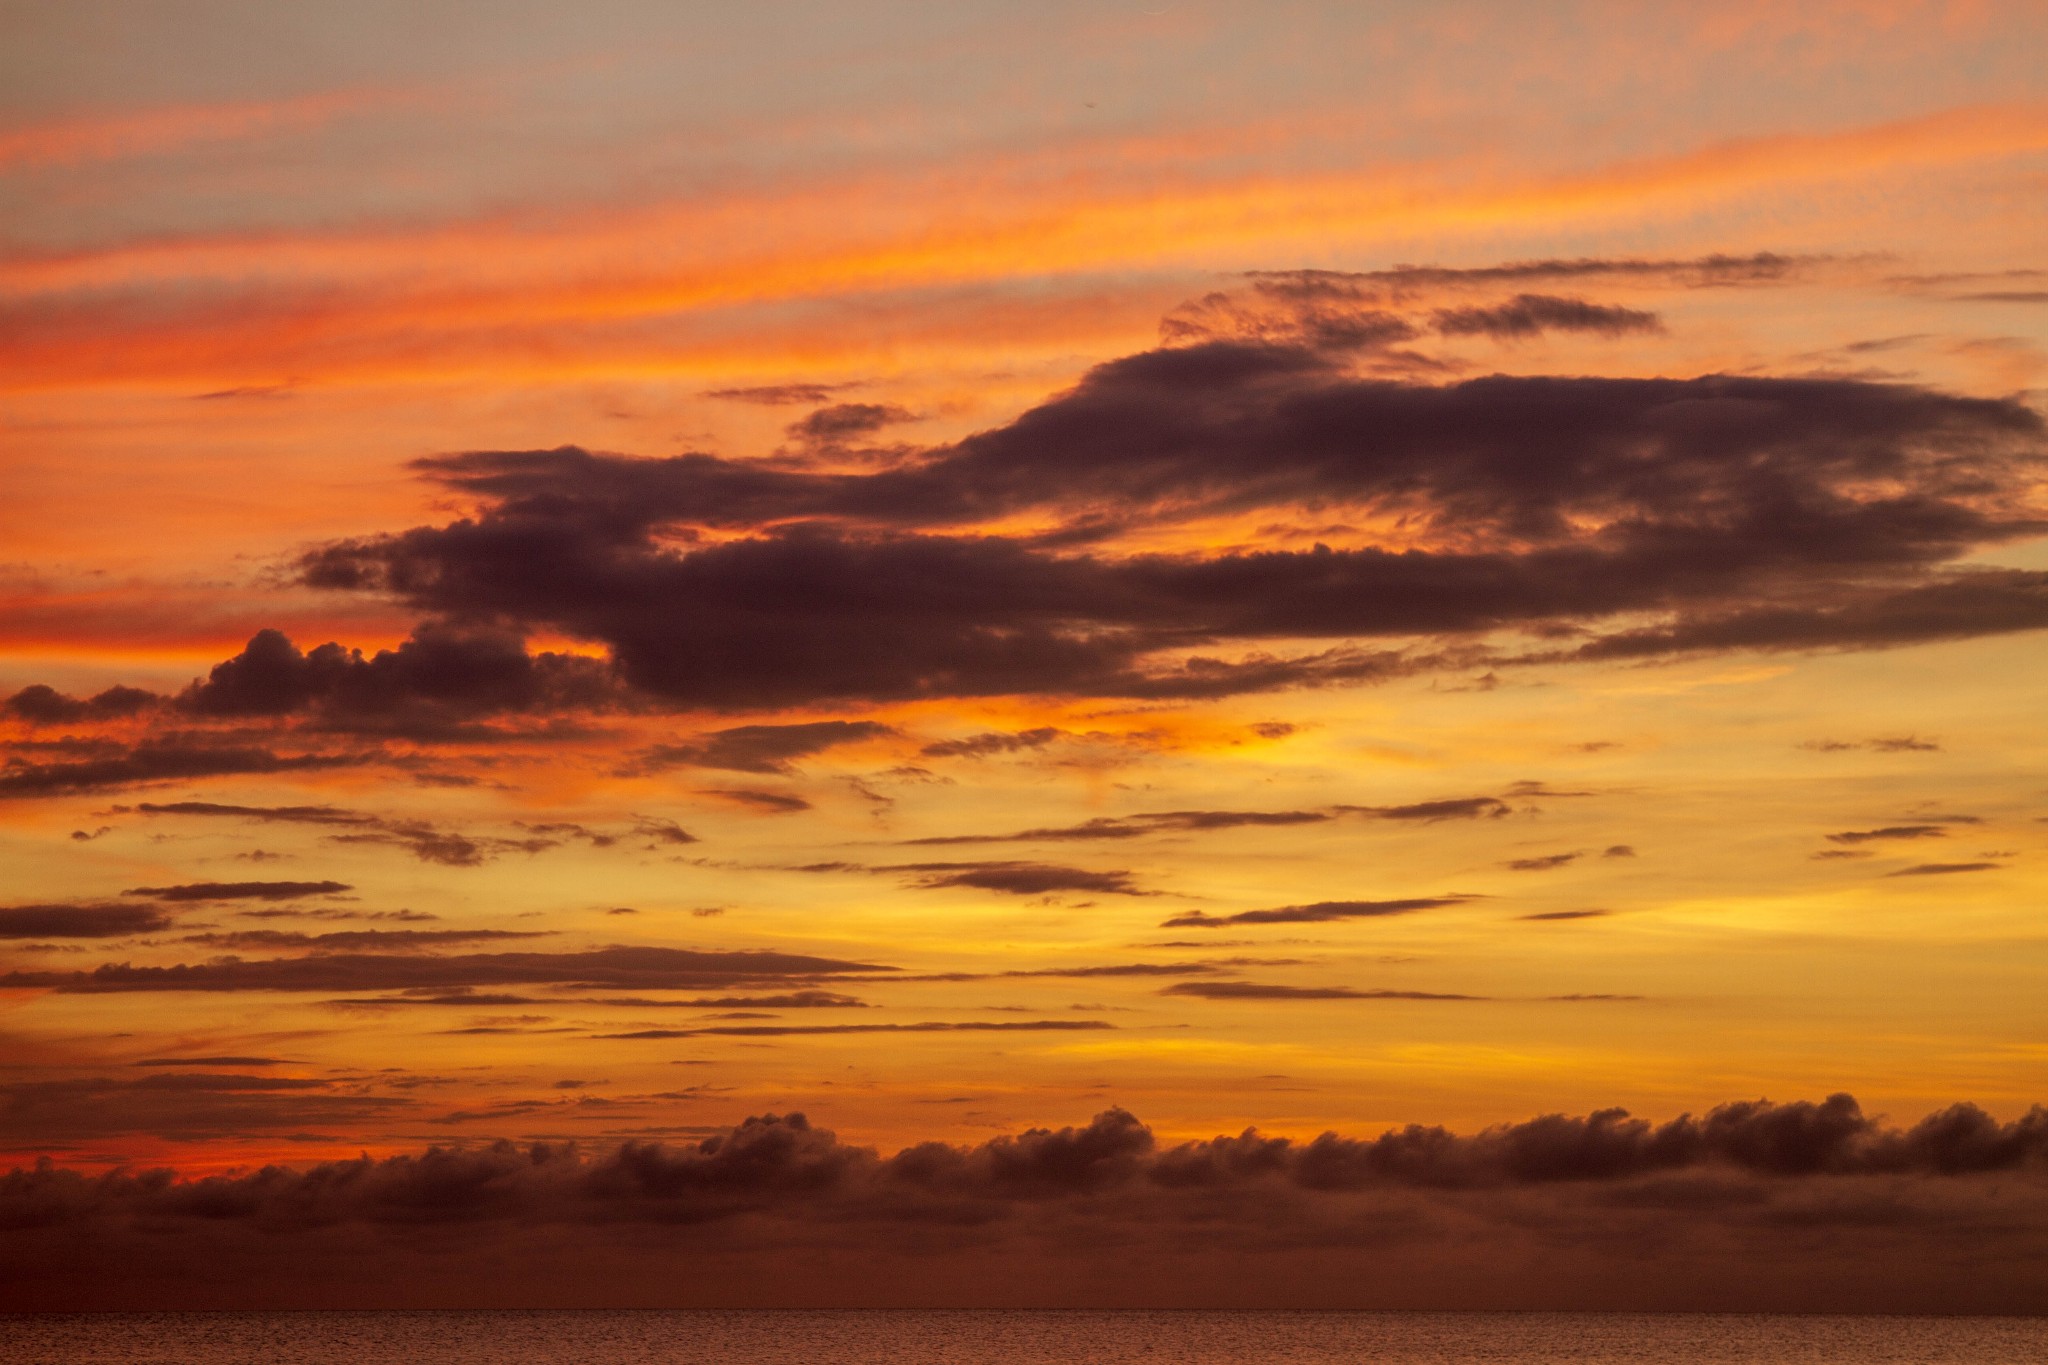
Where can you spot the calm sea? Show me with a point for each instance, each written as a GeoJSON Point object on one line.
{"type": "Point", "coordinates": [1011, 1338]}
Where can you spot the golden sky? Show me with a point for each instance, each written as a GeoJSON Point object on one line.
{"type": "Point", "coordinates": [596, 574]}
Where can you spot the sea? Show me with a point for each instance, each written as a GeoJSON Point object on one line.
{"type": "Point", "coordinates": [997, 1337]}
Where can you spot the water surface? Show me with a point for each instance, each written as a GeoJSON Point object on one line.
{"type": "Point", "coordinates": [1010, 1338]}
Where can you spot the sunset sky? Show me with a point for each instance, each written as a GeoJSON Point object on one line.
{"type": "Point", "coordinates": [591, 573]}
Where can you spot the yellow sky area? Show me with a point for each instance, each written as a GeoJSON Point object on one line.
{"type": "Point", "coordinates": [1760, 967]}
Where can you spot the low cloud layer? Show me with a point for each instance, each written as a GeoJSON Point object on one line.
{"type": "Point", "coordinates": [1700, 1211]}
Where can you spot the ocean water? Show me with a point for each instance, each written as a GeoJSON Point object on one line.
{"type": "Point", "coordinates": [1011, 1338]}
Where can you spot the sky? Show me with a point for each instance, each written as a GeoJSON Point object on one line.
{"type": "Point", "coordinates": [1155, 654]}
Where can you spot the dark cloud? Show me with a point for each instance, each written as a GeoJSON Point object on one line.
{"type": "Point", "coordinates": [785, 1030]}
{"type": "Point", "coordinates": [1738, 512]}
{"type": "Point", "coordinates": [1018, 878]}
{"type": "Point", "coordinates": [993, 742]}
{"type": "Point", "coordinates": [1318, 913]}
{"type": "Point", "coordinates": [306, 815]}
{"type": "Point", "coordinates": [1895, 744]}
{"type": "Point", "coordinates": [1763, 267]}
{"type": "Point", "coordinates": [1942, 869]}
{"type": "Point", "coordinates": [1546, 863]}
{"type": "Point", "coordinates": [775, 803]}
{"type": "Point", "coordinates": [615, 967]}
{"type": "Point", "coordinates": [77, 919]}
{"type": "Point", "coordinates": [1256, 990]}
{"type": "Point", "coordinates": [1132, 826]}
{"type": "Point", "coordinates": [1567, 915]}
{"type": "Point", "coordinates": [844, 421]}
{"type": "Point", "coordinates": [1204, 821]}
{"type": "Point", "coordinates": [349, 940]}
{"type": "Point", "coordinates": [1604, 1209]}
{"type": "Point", "coordinates": [39, 704]}
{"type": "Point", "coordinates": [236, 891]}
{"type": "Point", "coordinates": [428, 842]}
{"type": "Point", "coordinates": [154, 761]}
{"type": "Point", "coordinates": [1452, 808]}
{"type": "Point", "coordinates": [762, 748]}
{"type": "Point", "coordinates": [1864, 836]}
{"type": "Point", "coordinates": [1747, 1196]}
{"type": "Point", "coordinates": [211, 1061]}
{"type": "Point", "coordinates": [781, 395]}
{"type": "Point", "coordinates": [1527, 315]}
{"type": "Point", "coordinates": [437, 677]}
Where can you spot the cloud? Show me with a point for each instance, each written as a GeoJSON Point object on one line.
{"type": "Point", "coordinates": [39, 704]}
{"type": "Point", "coordinates": [1018, 878]}
{"type": "Point", "coordinates": [845, 421]}
{"type": "Point", "coordinates": [80, 920]}
{"type": "Point", "coordinates": [153, 761]}
{"type": "Point", "coordinates": [1133, 826]}
{"type": "Point", "coordinates": [344, 940]}
{"type": "Point", "coordinates": [1894, 744]}
{"type": "Point", "coordinates": [1320, 912]}
{"type": "Point", "coordinates": [233, 891]}
{"type": "Point", "coordinates": [1527, 315]}
{"type": "Point", "coordinates": [1864, 836]}
{"type": "Point", "coordinates": [211, 1061]}
{"type": "Point", "coordinates": [781, 395]}
{"type": "Point", "coordinates": [785, 1030]}
{"type": "Point", "coordinates": [1546, 863]}
{"type": "Point", "coordinates": [993, 742]}
{"type": "Point", "coordinates": [1203, 821]}
{"type": "Point", "coordinates": [1716, 270]}
{"type": "Point", "coordinates": [762, 748]}
{"type": "Point", "coordinates": [1616, 1211]}
{"type": "Point", "coordinates": [615, 967]}
{"type": "Point", "coordinates": [1735, 512]}
{"type": "Point", "coordinates": [1567, 915]}
{"type": "Point", "coordinates": [1943, 869]}
{"type": "Point", "coordinates": [1255, 990]}
{"type": "Point", "coordinates": [427, 842]}
{"type": "Point", "coordinates": [438, 676]}
{"type": "Point", "coordinates": [774, 803]}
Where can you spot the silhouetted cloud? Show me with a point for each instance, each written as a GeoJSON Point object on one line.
{"type": "Point", "coordinates": [346, 940]}
{"type": "Point", "coordinates": [781, 395]}
{"type": "Point", "coordinates": [39, 704]}
{"type": "Point", "coordinates": [1018, 878]}
{"type": "Point", "coordinates": [785, 1030]}
{"type": "Point", "coordinates": [1742, 512]}
{"type": "Point", "coordinates": [993, 742]}
{"type": "Point", "coordinates": [1942, 869]}
{"type": "Point", "coordinates": [762, 748]}
{"type": "Point", "coordinates": [154, 761]}
{"type": "Point", "coordinates": [1547, 862]}
{"type": "Point", "coordinates": [425, 841]}
{"type": "Point", "coordinates": [1527, 315]}
{"type": "Point", "coordinates": [182, 1107]}
{"type": "Point", "coordinates": [232, 891]}
{"type": "Point", "coordinates": [615, 967]}
{"type": "Point", "coordinates": [1317, 913]}
{"type": "Point", "coordinates": [845, 421]}
{"type": "Point", "coordinates": [1629, 1212]}
{"type": "Point", "coordinates": [1256, 990]}
{"type": "Point", "coordinates": [1888, 832]}
{"type": "Point", "coordinates": [80, 919]}
{"type": "Point", "coordinates": [438, 676]}
{"type": "Point", "coordinates": [775, 803]}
